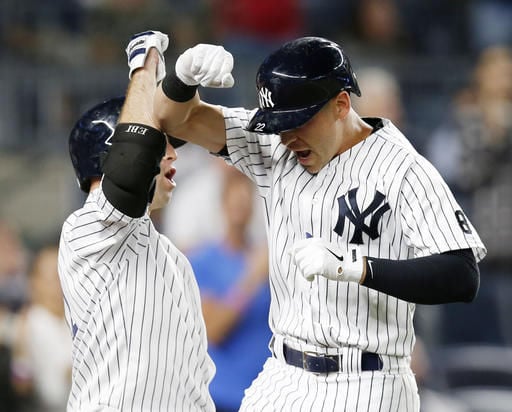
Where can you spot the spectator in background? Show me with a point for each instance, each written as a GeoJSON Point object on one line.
{"type": "Point", "coordinates": [199, 199]}
{"type": "Point", "coordinates": [251, 29]}
{"type": "Point", "coordinates": [13, 266]}
{"type": "Point", "coordinates": [490, 23]}
{"type": "Point", "coordinates": [435, 27]}
{"type": "Point", "coordinates": [42, 355]}
{"type": "Point", "coordinates": [379, 29]}
{"type": "Point", "coordinates": [327, 18]}
{"type": "Point", "coordinates": [30, 29]}
{"type": "Point", "coordinates": [8, 396]}
{"type": "Point", "coordinates": [258, 19]}
{"type": "Point", "coordinates": [189, 21]}
{"type": "Point", "coordinates": [13, 294]}
{"type": "Point", "coordinates": [381, 95]}
{"type": "Point", "coordinates": [480, 129]}
{"type": "Point", "coordinates": [34, 337]}
{"type": "Point", "coordinates": [232, 274]}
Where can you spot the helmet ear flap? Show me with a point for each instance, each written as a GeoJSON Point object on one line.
{"type": "Point", "coordinates": [84, 185]}
{"type": "Point", "coordinates": [103, 156]}
{"type": "Point", "coordinates": [351, 82]}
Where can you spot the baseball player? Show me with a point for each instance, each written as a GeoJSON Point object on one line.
{"type": "Point", "coordinates": [131, 299]}
{"type": "Point", "coordinates": [360, 226]}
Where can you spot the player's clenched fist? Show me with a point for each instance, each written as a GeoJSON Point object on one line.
{"type": "Point", "coordinates": [138, 49]}
{"type": "Point", "coordinates": [317, 257]}
{"type": "Point", "coordinates": [207, 65]}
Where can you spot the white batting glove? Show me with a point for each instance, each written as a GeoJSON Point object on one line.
{"type": "Point", "coordinates": [139, 46]}
{"type": "Point", "coordinates": [207, 65]}
{"type": "Point", "coordinates": [317, 257]}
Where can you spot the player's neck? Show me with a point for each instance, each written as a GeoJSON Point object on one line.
{"type": "Point", "coordinates": [95, 183]}
{"type": "Point", "coordinates": [354, 132]}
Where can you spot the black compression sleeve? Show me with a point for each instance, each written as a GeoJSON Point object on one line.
{"type": "Point", "coordinates": [131, 165]}
{"type": "Point", "coordinates": [441, 278]}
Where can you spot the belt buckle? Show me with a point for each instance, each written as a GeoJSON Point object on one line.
{"type": "Point", "coordinates": [305, 354]}
{"type": "Point", "coordinates": [317, 355]}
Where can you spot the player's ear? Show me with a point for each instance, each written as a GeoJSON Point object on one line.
{"type": "Point", "coordinates": [342, 104]}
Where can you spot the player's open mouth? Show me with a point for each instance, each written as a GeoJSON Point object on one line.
{"type": "Point", "coordinates": [303, 154]}
{"type": "Point", "coordinates": [170, 175]}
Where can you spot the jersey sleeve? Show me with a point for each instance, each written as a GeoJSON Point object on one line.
{"type": "Point", "coordinates": [251, 153]}
{"type": "Point", "coordinates": [432, 220]}
{"type": "Point", "coordinates": [97, 227]}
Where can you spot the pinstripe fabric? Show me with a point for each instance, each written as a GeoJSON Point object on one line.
{"type": "Point", "coordinates": [281, 387]}
{"type": "Point", "coordinates": [133, 304]}
{"type": "Point", "coordinates": [324, 315]}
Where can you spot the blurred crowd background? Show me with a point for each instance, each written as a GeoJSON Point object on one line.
{"type": "Point", "coordinates": [441, 70]}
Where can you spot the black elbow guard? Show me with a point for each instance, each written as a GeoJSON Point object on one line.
{"type": "Point", "coordinates": [131, 165]}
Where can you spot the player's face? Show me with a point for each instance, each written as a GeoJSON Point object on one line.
{"type": "Point", "coordinates": [315, 142]}
{"type": "Point", "coordinates": [164, 180]}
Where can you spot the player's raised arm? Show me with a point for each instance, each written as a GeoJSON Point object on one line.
{"type": "Point", "coordinates": [178, 108]}
{"type": "Point", "coordinates": [138, 146]}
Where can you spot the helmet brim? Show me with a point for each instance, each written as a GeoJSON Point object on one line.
{"type": "Point", "coordinates": [174, 141]}
{"type": "Point", "coordinates": [267, 121]}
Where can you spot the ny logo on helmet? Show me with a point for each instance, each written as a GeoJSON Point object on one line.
{"type": "Point", "coordinates": [265, 98]}
{"type": "Point", "coordinates": [350, 210]}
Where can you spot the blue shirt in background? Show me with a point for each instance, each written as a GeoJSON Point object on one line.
{"type": "Point", "coordinates": [240, 357]}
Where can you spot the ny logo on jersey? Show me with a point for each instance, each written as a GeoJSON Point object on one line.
{"type": "Point", "coordinates": [350, 210]}
{"type": "Point", "coordinates": [265, 98]}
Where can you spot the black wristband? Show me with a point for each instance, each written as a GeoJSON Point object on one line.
{"type": "Point", "coordinates": [176, 90]}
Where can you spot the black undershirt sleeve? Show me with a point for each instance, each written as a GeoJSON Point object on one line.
{"type": "Point", "coordinates": [223, 152]}
{"type": "Point", "coordinates": [442, 278]}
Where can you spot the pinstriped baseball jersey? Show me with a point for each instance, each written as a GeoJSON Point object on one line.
{"type": "Point", "coordinates": [139, 338]}
{"type": "Point", "coordinates": [382, 195]}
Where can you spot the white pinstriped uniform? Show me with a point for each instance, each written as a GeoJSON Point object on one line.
{"type": "Point", "coordinates": [332, 317]}
{"type": "Point", "coordinates": [133, 304]}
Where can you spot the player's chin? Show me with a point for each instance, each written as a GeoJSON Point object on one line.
{"type": "Point", "coordinates": [165, 183]}
{"type": "Point", "coordinates": [312, 169]}
{"type": "Point", "coordinates": [163, 191]}
{"type": "Point", "coordinates": [166, 198]}
{"type": "Point", "coordinates": [308, 161]}
{"type": "Point", "coordinates": [160, 199]}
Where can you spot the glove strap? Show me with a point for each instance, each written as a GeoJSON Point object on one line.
{"type": "Point", "coordinates": [176, 90]}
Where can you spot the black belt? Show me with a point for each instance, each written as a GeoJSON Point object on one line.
{"type": "Point", "coordinates": [319, 363]}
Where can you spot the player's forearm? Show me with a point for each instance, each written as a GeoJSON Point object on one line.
{"type": "Point", "coordinates": [187, 117]}
{"type": "Point", "coordinates": [138, 105]}
{"type": "Point", "coordinates": [173, 115]}
{"type": "Point", "coordinates": [442, 278]}
{"type": "Point", "coordinates": [223, 314]}
{"type": "Point", "coordinates": [220, 319]}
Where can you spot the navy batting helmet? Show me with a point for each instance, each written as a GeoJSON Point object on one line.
{"type": "Point", "coordinates": [297, 80]}
{"type": "Point", "coordinates": [89, 140]}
